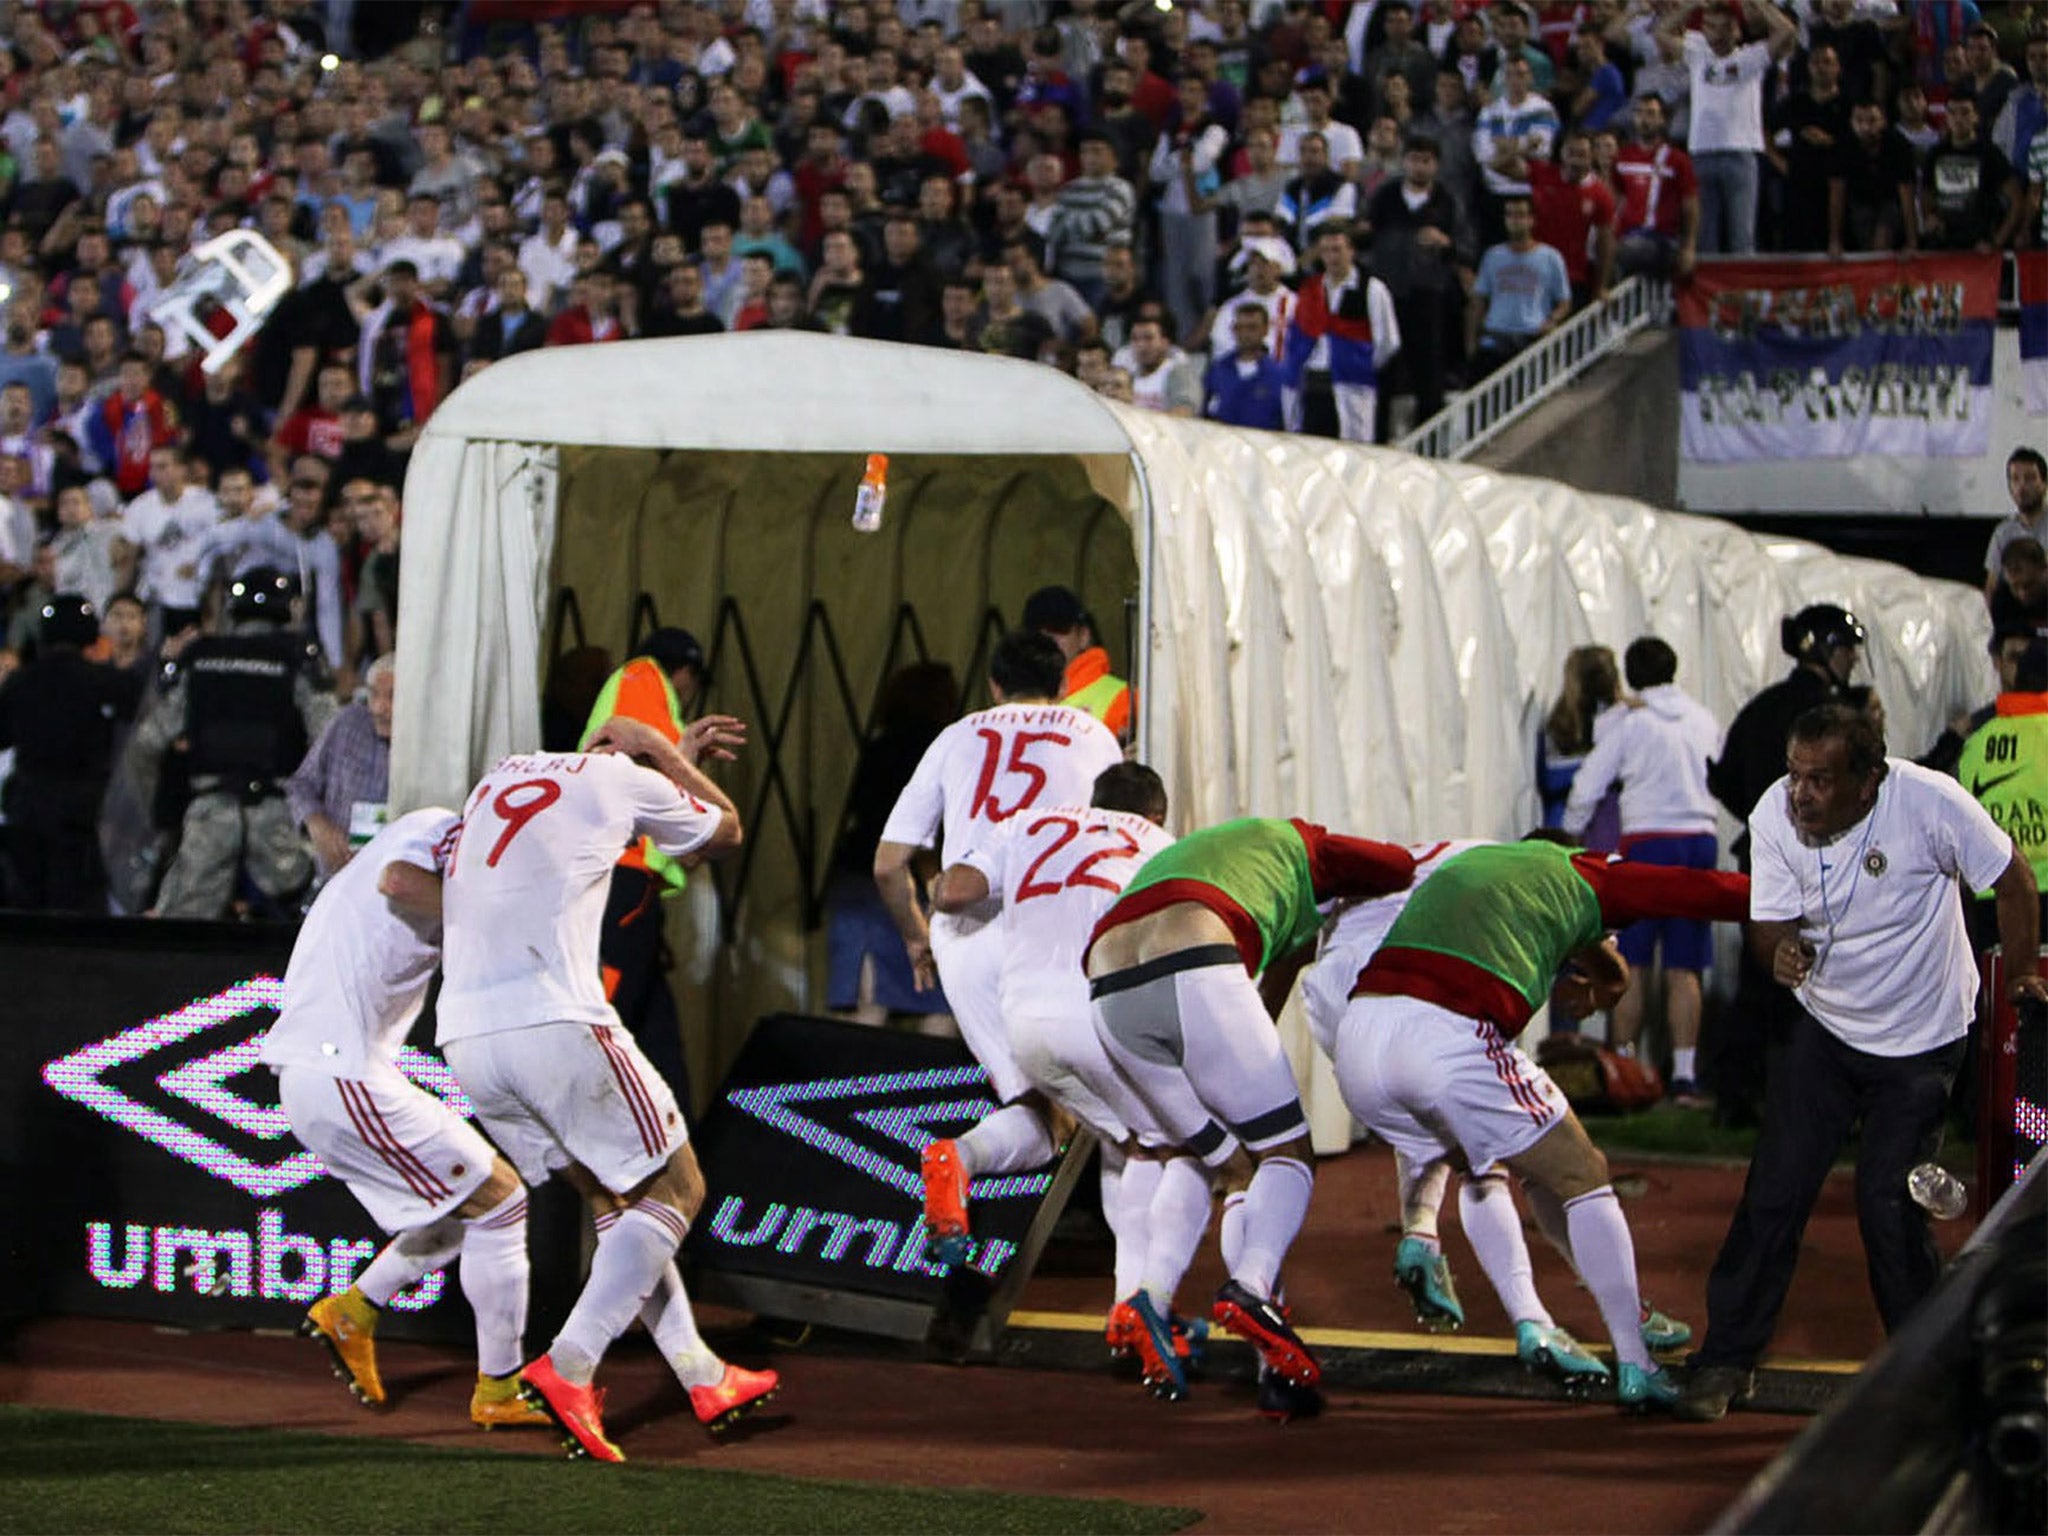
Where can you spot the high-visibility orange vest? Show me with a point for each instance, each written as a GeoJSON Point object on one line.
{"type": "Point", "coordinates": [640, 690]}
{"type": "Point", "coordinates": [1089, 685]}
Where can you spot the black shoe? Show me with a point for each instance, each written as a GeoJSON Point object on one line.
{"type": "Point", "coordinates": [1260, 1321]}
{"type": "Point", "coordinates": [1711, 1391]}
{"type": "Point", "coordinates": [1283, 1401]}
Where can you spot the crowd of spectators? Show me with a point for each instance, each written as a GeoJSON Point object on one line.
{"type": "Point", "coordinates": [1316, 217]}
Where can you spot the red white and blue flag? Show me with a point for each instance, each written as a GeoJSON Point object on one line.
{"type": "Point", "coordinates": [1822, 360]}
{"type": "Point", "coordinates": [2034, 331]}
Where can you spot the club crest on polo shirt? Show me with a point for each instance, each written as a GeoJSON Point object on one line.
{"type": "Point", "coordinates": [1874, 863]}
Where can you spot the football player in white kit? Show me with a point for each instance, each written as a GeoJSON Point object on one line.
{"type": "Point", "coordinates": [555, 1078]}
{"type": "Point", "coordinates": [1023, 752]}
{"type": "Point", "coordinates": [1054, 871]}
{"type": "Point", "coordinates": [357, 978]}
{"type": "Point", "coordinates": [1485, 1205]}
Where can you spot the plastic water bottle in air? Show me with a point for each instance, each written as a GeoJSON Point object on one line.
{"type": "Point", "coordinates": [872, 495]}
{"type": "Point", "coordinates": [1938, 1192]}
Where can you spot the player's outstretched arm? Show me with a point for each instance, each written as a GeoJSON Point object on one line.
{"type": "Point", "coordinates": [959, 887]}
{"type": "Point", "coordinates": [899, 894]}
{"type": "Point", "coordinates": [413, 891]}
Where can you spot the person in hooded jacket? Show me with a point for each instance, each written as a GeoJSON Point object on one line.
{"type": "Point", "coordinates": [1658, 751]}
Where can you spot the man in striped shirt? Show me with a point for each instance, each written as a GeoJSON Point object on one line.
{"type": "Point", "coordinates": [1094, 210]}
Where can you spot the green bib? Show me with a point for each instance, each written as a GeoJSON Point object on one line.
{"type": "Point", "coordinates": [1514, 910]}
{"type": "Point", "coordinates": [2005, 766]}
{"type": "Point", "coordinates": [1260, 864]}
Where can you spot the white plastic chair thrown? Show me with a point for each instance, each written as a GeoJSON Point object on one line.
{"type": "Point", "coordinates": [239, 274]}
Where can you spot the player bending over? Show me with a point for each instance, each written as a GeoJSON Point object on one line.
{"type": "Point", "coordinates": [1425, 1057]}
{"type": "Point", "coordinates": [358, 975]}
{"type": "Point", "coordinates": [1420, 1267]}
{"type": "Point", "coordinates": [1054, 872]}
{"type": "Point", "coordinates": [1173, 970]}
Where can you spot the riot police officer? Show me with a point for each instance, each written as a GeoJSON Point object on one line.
{"type": "Point", "coordinates": [1824, 641]}
{"type": "Point", "coordinates": [246, 707]}
{"type": "Point", "coordinates": [61, 713]}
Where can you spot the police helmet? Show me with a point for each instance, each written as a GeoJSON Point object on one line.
{"type": "Point", "coordinates": [69, 619]}
{"type": "Point", "coordinates": [262, 594]}
{"type": "Point", "coordinates": [1817, 629]}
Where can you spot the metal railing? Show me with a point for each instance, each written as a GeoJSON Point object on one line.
{"type": "Point", "coordinates": [1478, 415]}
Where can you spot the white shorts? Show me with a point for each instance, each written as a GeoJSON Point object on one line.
{"type": "Point", "coordinates": [1191, 1035]}
{"type": "Point", "coordinates": [1431, 1081]}
{"type": "Point", "coordinates": [556, 1094]}
{"type": "Point", "coordinates": [969, 953]}
{"type": "Point", "coordinates": [403, 1153]}
{"type": "Point", "coordinates": [1061, 1056]}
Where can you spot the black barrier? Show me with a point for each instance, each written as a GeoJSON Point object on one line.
{"type": "Point", "coordinates": [145, 1169]}
{"type": "Point", "coordinates": [1946, 1427]}
{"type": "Point", "coordinates": [811, 1155]}
{"type": "Point", "coordinates": [147, 1172]}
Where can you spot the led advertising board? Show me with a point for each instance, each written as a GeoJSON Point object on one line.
{"type": "Point", "coordinates": [145, 1168]}
{"type": "Point", "coordinates": [812, 1152]}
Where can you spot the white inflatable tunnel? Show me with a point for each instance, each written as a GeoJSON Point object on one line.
{"type": "Point", "coordinates": [1347, 634]}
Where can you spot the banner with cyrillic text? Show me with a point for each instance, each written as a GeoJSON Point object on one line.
{"type": "Point", "coordinates": [1823, 360]}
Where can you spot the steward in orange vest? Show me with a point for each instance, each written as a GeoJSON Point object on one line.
{"type": "Point", "coordinates": [1089, 684]}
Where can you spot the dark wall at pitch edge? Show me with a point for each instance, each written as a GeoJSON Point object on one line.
{"type": "Point", "coordinates": [1611, 432]}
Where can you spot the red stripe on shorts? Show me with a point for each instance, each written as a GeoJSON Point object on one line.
{"type": "Point", "coordinates": [635, 1091]}
{"type": "Point", "coordinates": [1501, 1055]}
{"type": "Point", "coordinates": [379, 1137]}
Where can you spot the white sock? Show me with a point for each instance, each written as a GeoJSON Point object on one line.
{"type": "Point", "coordinates": [1493, 1227]}
{"type": "Point", "coordinates": [1128, 1184]}
{"type": "Point", "coordinates": [408, 1258]}
{"type": "Point", "coordinates": [1422, 1194]}
{"type": "Point", "coordinates": [623, 1274]}
{"type": "Point", "coordinates": [1607, 1263]}
{"type": "Point", "coordinates": [673, 1323]}
{"type": "Point", "coordinates": [1275, 1205]}
{"type": "Point", "coordinates": [1683, 1058]}
{"type": "Point", "coordinates": [1230, 1229]}
{"type": "Point", "coordinates": [1550, 1220]}
{"type": "Point", "coordinates": [1011, 1140]}
{"type": "Point", "coordinates": [1178, 1217]}
{"type": "Point", "coordinates": [1625, 1052]}
{"type": "Point", "coordinates": [494, 1279]}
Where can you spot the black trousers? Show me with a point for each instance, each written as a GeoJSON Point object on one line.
{"type": "Point", "coordinates": [1820, 1091]}
{"type": "Point", "coordinates": [1427, 347]}
{"type": "Point", "coordinates": [53, 837]}
{"type": "Point", "coordinates": [632, 952]}
{"type": "Point", "coordinates": [1739, 1043]}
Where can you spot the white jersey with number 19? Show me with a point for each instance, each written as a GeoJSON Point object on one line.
{"type": "Point", "coordinates": [523, 900]}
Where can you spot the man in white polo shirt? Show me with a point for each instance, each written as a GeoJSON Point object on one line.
{"type": "Point", "coordinates": [1853, 905]}
{"type": "Point", "coordinates": [1727, 133]}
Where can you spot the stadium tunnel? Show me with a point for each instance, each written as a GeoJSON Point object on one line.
{"type": "Point", "coordinates": [1349, 634]}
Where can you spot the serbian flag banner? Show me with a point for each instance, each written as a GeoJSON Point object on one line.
{"type": "Point", "coordinates": [1831, 359]}
{"type": "Point", "coordinates": [2034, 331]}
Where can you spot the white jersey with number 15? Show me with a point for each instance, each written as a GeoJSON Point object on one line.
{"type": "Point", "coordinates": [986, 767]}
{"type": "Point", "coordinates": [523, 898]}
